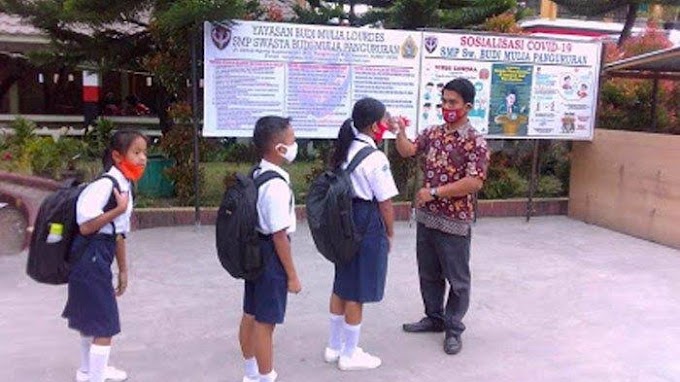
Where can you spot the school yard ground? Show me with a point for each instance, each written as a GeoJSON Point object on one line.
{"type": "Point", "coordinates": [552, 300]}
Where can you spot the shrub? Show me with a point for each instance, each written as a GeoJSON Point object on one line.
{"type": "Point", "coordinates": [503, 178]}
{"type": "Point", "coordinates": [240, 153]}
{"type": "Point", "coordinates": [625, 104]}
{"type": "Point", "coordinates": [404, 171]}
{"type": "Point", "coordinates": [504, 183]}
{"type": "Point", "coordinates": [17, 145]}
{"type": "Point", "coordinates": [549, 186]}
{"type": "Point", "coordinates": [44, 156]}
{"type": "Point", "coordinates": [98, 139]}
{"type": "Point", "coordinates": [177, 144]}
{"type": "Point", "coordinates": [503, 23]}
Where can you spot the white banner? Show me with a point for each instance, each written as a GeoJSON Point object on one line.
{"type": "Point", "coordinates": [310, 73]}
{"type": "Point", "coordinates": [526, 87]}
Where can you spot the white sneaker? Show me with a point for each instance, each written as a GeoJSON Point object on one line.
{"type": "Point", "coordinates": [360, 360]}
{"type": "Point", "coordinates": [111, 374]}
{"type": "Point", "coordinates": [331, 356]}
{"type": "Point", "coordinates": [82, 376]}
{"type": "Point", "coordinates": [273, 374]}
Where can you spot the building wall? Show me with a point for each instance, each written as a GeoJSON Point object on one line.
{"type": "Point", "coordinates": [628, 182]}
{"type": "Point", "coordinates": [38, 93]}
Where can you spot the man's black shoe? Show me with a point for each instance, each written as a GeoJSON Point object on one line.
{"type": "Point", "coordinates": [427, 324]}
{"type": "Point", "coordinates": [452, 343]}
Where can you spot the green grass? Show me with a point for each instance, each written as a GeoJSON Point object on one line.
{"type": "Point", "coordinates": [215, 174]}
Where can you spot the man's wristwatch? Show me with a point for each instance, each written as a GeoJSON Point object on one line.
{"type": "Point", "coordinates": [433, 193]}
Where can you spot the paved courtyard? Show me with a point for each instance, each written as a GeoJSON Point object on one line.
{"type": "Point", "coordinates": [552, 300]}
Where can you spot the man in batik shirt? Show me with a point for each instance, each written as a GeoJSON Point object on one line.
{"type": "Point", "coordinates": [454, 161]}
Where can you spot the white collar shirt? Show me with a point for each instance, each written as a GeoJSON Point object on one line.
{"type": "Point", "coordinates": [275, 202]}
{"type": "Point", "coordinates": [96, 195]}
{"type": "Point", "coordinates": [372, 179]}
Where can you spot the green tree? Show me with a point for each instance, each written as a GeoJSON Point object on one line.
{"type": "Point", "coordinates": [409, 14]}
{"type": "Point", "coordinates": [448, 14]}
{"type": "Point", "coordinates": [600, 7]}
{"type": "Point", "coordinates": [147, 35]}
{"type": "Point", "coordinates": [136, 35]}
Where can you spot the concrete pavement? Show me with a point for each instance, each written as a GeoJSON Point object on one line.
{"type": "Point", "coordinates": [552, 300]}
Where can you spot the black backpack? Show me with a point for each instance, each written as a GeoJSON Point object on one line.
{"type": "Point", "coordinates": [238, 243]}
{"type": "Point", "coordinates": [51, 262]}
{"type": "Point", "coordinates": [329, 212]}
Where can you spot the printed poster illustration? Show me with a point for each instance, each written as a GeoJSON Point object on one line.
{"type": "Point", "coordinates": [437, 74]}
{"type": "Point", "coordinates": [510, 99]}
{"type": "Point", "coordinates": [527, 87]}
{"type": "Point", "coordinates": [561, 103]}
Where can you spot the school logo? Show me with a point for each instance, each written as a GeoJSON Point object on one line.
{"type": "Point", "coordinates": [409, 49]}
{"type": "Point", "coordinates": [221, 35]}
{"type": "Point", "coordinates": [431, 43]}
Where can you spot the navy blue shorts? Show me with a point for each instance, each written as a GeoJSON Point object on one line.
{"type": "Point", "coordinates": [91, 307]}
{"type": "Point", "coordinates": [265, 298]}
{"type": "Point", "coordinates": [363, 278]}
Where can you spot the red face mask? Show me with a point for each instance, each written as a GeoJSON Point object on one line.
{"type": "Point", "coordinates": [382, 128]}
{"type": "Point", "coordinates": [453, 115]}
{"type": "Point", "coordinates": [131, 170]}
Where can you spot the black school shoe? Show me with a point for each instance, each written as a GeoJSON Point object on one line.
{"type": "Point", "coordinates": [452, 343]}
{"type": "Point", "coordinates": [426, 324]}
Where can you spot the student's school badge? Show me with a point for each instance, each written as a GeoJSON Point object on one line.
{"type": "Point", "coordinates": [409, 49]}
{"type": "Point", "coordinates": [431, 43]}
{"type": "Point", "coordinates": [221, 35]}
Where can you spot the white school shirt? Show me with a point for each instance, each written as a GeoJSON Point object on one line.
{"type": "Point", "coordinates": [372, 179]}
{"type": "Point", "coordinates": [95, 196]}
{"type": "Point", "coordinates": [275, 202]}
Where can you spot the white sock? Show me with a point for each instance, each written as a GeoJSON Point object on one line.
{"type": "Point", "coordinates": [250, 368]}
{"type": "Point", "coordinates": [99, 359]}
{"type": "Point", "coordinates": [271, 377]}
{"type": "Point", "coordinates": [352, 333]}
{"type": "Point", "coordinates": [335, 336]}
{"type": "Point", "coordinates": [85, 343]}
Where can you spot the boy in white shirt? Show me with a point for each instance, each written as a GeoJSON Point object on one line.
{"type": "Point", "coordinates": [264, 302]}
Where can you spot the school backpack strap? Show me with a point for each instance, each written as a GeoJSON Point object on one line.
{"type": "Point", "coordinates": [111, 204]}
{"type": "Point", "coordinates": [359, 157]}
{"type": "Point", "coordinates": [268, 175]}
{"type": "Point", "coordinates": [265, 177]}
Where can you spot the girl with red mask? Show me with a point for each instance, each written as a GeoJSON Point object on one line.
{"type": "Point", "coordinates": [103, 213]}
{"type": "Point", "coordinates": [362, 279]}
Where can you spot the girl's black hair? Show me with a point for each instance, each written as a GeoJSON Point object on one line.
{"type": "Point", "coordinates": [366, 112]}
{"type": "Point", "coordinates": [121, 142]}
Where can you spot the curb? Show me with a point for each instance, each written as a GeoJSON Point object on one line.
{"type": "Point", "coordinates": [144, 218]}
{"type": "Point", "coordinates": [30, 181]}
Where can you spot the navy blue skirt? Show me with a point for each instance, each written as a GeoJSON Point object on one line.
{"type": "Point", "coordinates": [363, 278]}
{"type": "Point", "coordinates": [91, 307]}
{"type": "Point", "coordinates": [266, 297]}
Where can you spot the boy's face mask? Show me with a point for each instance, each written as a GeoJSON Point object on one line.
{"type": "Point", "coordinates": [291, 151]}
